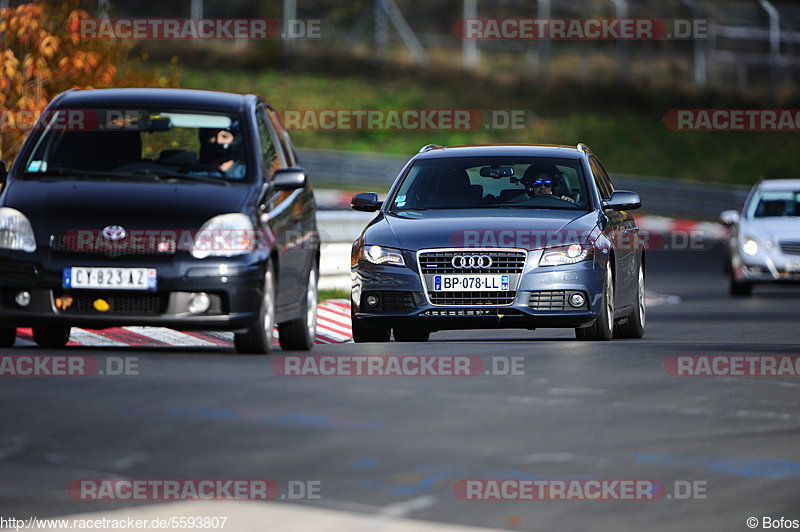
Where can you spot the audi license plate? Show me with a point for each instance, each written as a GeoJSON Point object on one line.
{"type": "Point", "coordinates": [110, 278]}
{"type": "Point", "coordinates": [793, 265]}
{"type": "Point", "coordinates": [470, 283]}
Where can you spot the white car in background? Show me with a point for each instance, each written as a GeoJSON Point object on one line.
{"type": "Point", "coordinates": [764, 238]}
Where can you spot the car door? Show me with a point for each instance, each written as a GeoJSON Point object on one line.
{"type": "Point", "coordinates": [275, 207]}
{"type": "Point", "coordinates": [622, 231]}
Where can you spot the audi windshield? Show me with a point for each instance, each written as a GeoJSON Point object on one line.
{"type": "Point", "coordinates": [492, 183]}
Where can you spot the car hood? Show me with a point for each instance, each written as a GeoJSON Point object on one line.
{"type": "Point", "coordinates": [62, 205]}
{"type": "Point", "coordinates": [772, 228]}
{"type": "Point", "coordinates": [515, 228]}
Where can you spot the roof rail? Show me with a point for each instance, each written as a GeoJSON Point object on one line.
{"type": "Point", "coordinates": [430, 147]}
{"type": "Point", "coordinates": [583, 147]}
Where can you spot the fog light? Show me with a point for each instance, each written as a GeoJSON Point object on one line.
{"type": "Point", "coordinates": [199, 303]}
{"type": "Point", "coordinates": [576, 300]}
{"type": "Point", "coordinates": [23, 298]}
{"type": "Point", "coordinates": [372, 301]}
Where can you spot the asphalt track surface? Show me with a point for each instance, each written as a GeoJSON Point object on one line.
{"type": "Point", "coordinates": [394, 446]}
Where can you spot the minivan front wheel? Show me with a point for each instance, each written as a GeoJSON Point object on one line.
{"type": "Point", "coordinates": [300, 334]}
{"type": "Point", "coordinates": [51, 336]}
{"type": "Point", "coordinates": [8, 335]}
{"type": "Point", "coordinates": [257, 339]}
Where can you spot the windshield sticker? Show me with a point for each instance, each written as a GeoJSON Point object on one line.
{"type": "Point", "coordinates": [37, 166]}
{"type": "Point", "coordinates": [400, 199]}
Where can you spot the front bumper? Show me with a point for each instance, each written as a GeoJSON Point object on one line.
{"type": "Point", "coordinates": [763, 268]}
{"type": "Point", "coordinates": [233, 284]}
{"type": "Point", "coordinates": [532, 307]}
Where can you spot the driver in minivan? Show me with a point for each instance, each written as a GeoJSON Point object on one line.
{"type": "Point", "coordinates": [222, 148]}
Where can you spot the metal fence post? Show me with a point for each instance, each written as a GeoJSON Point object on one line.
{"type": "Point", "coordinates": [774, 39]}
{"type": "Point", "coordinates": [469, 47]}
{"type": "Point", "coordinates": [622, 46]}
{"type": "Point", "coordinates": [544, 44]}
{"type": "Point", "coordinates": [700, 50]}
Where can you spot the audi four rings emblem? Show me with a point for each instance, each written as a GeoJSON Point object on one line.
{"type": "Point", "coordinates": [471, 261]}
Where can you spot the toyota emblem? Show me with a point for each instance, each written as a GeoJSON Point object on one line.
{"type": "Point", "coordinates": [462, 262]}
{"type": "Point", "coordinates": [114, 232]}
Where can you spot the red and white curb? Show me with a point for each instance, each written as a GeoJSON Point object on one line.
{"type": "Point", "coordinates": [665, 225]}
{"type": "Point", "coordinates": [333, 326]}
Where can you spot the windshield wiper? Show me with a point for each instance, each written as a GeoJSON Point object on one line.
{"type": "Point", "coordinates": [178, 175]}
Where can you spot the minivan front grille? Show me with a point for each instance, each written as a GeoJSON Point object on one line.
{"type": "Point", "coordinates": [93, 244]}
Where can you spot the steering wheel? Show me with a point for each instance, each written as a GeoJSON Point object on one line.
{"type": "Point", "coordinates": [204, 168]}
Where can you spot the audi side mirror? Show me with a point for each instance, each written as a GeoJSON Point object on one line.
{"type": "Point", "coordinates": [623, 200]}
{"type": "Point", "coordinates": [366, 202]}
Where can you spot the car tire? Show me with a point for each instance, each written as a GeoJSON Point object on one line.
{"type": "Point", "coordinates": [301, 333]}
{"type": "Point", "coordinates": [738, 288]}
{"type": "Point", "coordinates": [51, 336]}
{"type": "Point", "coordinates": [362, 334]}
{"type": "Point", "coordinates": [407, 334]}
{"type": "Point", "coordinates": [257, 339]}
{"type": "Point", "coordinates": [8, 335]}
{"type": "Point", "coordinates": [603, 327]}
{"type": "Point", "coordinates": [633, 326]}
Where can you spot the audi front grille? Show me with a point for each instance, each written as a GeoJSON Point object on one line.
{"type": "Point", "coordinates": [441, 262]}
{"type": "Point", "coordinates": [472, 261]}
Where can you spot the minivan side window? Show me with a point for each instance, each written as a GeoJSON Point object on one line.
{"type": "Point", "coordinates": [270, 156]}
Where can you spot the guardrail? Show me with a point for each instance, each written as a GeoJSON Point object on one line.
{"type": "Point", "coordinates": [660, 195]}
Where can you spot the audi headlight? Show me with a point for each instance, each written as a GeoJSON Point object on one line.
{"type": "Point", "coordinates": [16, 231]}
{"type": "Point", "coordinates": [381, 255]}
{"type": "Point", "coordinates": [750, 246]}
{"type": "Point", "coordinates": [566, 254]}
{"type": "Point", "coordinates": [226, 235]}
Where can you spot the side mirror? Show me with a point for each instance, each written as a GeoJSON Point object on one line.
{"type": "Point", "coordinates": [366, 202]}
{"type": "Point", "coordinates": [289, 179]}
{"type": "Point", "coordinates": [729, 217]}
{"type": "Point", "coordinates": [3, 172]}
{"type": "Point", "coordinates": [623, 200]}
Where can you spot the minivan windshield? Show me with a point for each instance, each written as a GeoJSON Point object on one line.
{"type": "Point", "coordinates": [118, 143]}
{"type": "Point", "coordinates": [492, 183]}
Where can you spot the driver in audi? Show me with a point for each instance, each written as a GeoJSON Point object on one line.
{"type": "Point", "coordinates": [544, 184]}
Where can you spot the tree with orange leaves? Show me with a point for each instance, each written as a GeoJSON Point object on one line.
{"type": "Point", "coordinates": [42, 54]}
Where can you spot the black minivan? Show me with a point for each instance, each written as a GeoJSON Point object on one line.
{"type": "Point", "coordinates": [176, 208]}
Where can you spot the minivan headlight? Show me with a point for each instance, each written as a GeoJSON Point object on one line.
{"type": "Point", "coordinates": [382, 255]}
{"type": "Point", "coordinates": [16, 231]}
{"type": "Point", "coordinates": [570, 254]}
{"type": "Point", "coordinates": [226, 235]}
